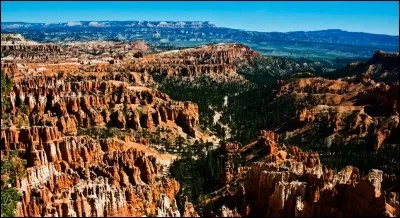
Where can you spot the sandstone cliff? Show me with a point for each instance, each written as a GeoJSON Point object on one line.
{"type": "Point", "coordinates": [285, 181]}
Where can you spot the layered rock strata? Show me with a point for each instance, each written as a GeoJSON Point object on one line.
{"type": "Point", "coordinates": [79, 176]}
{"type": "Point", "coordinates": [287, 182]}
{"type": "Point", "coordinates": [97, 103]}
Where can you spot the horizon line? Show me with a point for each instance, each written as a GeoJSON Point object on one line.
{"type": "Point", "coordinates": [197, 21]}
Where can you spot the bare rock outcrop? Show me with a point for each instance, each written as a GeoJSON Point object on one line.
{"type": "Point", "coordinates": [78, 176]}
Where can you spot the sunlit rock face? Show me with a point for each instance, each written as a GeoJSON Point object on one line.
{"type": "Point", "coordinates": [53, 101]}
{"type": "Point", "coordinates": [219, 59]}
{"type": "Point", "coordinates": [287, 181]}
{"type": "Point", "coordinates": [79, 176]}
{"type": "Point", "coordinates": [69, 173]}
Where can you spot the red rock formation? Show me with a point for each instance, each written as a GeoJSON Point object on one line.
{"type": "Point", "coordinates": [144, 108]}
{"type": "Point", "coordinates": [299, 186]}
{"type": "Point", "coordinates": [381, 67]}
{"type": "Point", "coordinates": [291, 182]}
{"type": "Point", "coordinates": [32, 48]}
{"type": "Point", "coordinates": [349, 109]}
{"type": "Point", "coordinates": [189, 209]}
{"type": "Point", "coordinates": [138, 45]}
{"type": "Point", "coordinates": [208, 59]}
{"type": "Point", "coordinates": [69, 175]}
{"type": "Point", "coordinates": [306, 116]}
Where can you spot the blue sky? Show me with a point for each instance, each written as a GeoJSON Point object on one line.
{"type": "Point", "coordinates": [372, 17]}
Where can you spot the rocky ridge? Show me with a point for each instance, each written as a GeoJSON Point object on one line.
{"type": "Point", "coordinates": [70, 173]}
{"type": "Point", "coordinates": [79, 176]}
{"type": "Point", "coordinates": [285, 181]}
{"type": "Point", "coordinates": [217, 59]}
{"type": "Point", "coordinates": [74, 174]}
{"type": "Point", "coordinates": [349, 107]}
{"type": "Point", "coordinates": [382, 67]}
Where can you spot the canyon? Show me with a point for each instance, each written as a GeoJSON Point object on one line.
{"type": "Point", "coordinates": [120, 129]}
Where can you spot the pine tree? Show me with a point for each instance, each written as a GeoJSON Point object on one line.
{"type": "Point", "coordinates": [12, 167]}
{"type": "Point", "coordinates": [6, 87]}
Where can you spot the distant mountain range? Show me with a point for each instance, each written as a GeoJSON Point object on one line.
{"type": "Point", "coordinates": [332, 42]}
{"type": "Point", "coordinates": [112, 24]}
